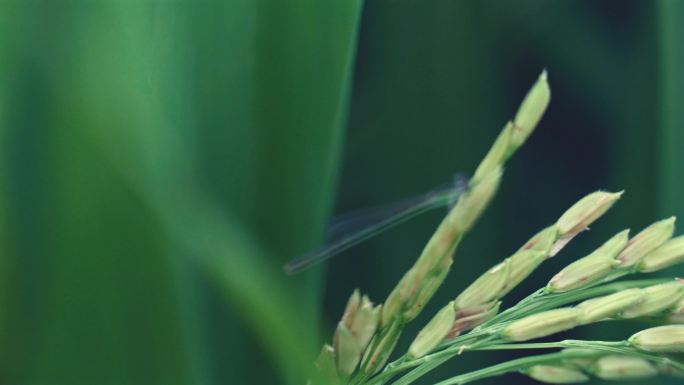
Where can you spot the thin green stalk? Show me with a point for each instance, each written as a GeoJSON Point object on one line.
{"type": "Point", "coordinates": [538, 301]}
{"type": "Point", "coordinates": [617, 347]}
{"type": "Point", "coordinates": [404, 363]}
{"type": "Point", "coordinates": [595, 348]}
{"type": "Point", "coordinates": [508, 313]}
{"type": "Point", "coordinates": [434, 360]}
{"type": "Point", "coordinates": [420, 371]}
{"type": "Point", "coordinates": [532, 304]}
{"type": "Point", "coordinates": [556, 300]}
{"type": "Point", "coordinates": [393, 331]}
{"type": "Point", "coordinates": [514, 366]}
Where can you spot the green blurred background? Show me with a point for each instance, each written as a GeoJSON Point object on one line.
{"type": "Point", "coordinates": [161, 160]}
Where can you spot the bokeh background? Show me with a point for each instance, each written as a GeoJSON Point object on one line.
{"type": "Point", "coordinates": [161, 160]}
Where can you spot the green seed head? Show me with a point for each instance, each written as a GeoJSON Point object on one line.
{"type": "Point", "coordinates": [401, 296]}
{"type": "Point", "coordinates": [584, 361]}
{"type": "Point", "coordinates": [591, 268]}
{"type": "Point", "coordinates": [354, 332]}
{"type": "Point", "coordinates": [668, 254]}
{"type": "Point", "coordinates": [352, 307]}
{"type": "Point", "coordinates": [530, 111]}
{"type": "Point", "coordinates": [676, 318]}
{"type": "Point", "coordinates": [486, 288]}
{"type": "Point", "coordinates": [418, 285]}
{"type": "Point", "coordinates": [523, 263]}
{"type": "Point", "coordinates": [646, 241]}
{"type": "Point", "coordinates": [393, 304]}
{"type": "Point", "coordinates": [669, 370]}
{"type": "Point", "coordinates": [517, 131]}
{"type": "Point", "coordinates": [496, 156]}
{"type": "Point", "coordinates": [543, 241]}
{"type": "Point", "coordinates": [612, 247]}
{"type": "Point", "coordinates": [326, 367]}
{"type": "Point", "coordinates": [375, 359]}
{"type": "Point", "coordinates": [676, 315]}
{"type": "Point", "coordinates": [542, 324]}
{"type": "Point", "coordinates": [656, 300]}
{"type": "Point", "coordinates": [467, 319]}
{"type": "Point", "coordinates": [361, 318]}
{"type": "Point", "coordinates": [471, 205]}
{"type": "Point", "coordinates": [427, 288]}
{"type": "Point", "coordinates": [616, 367]}
{"type": "Point", "coordinates": [556, 374]}
{"type": "Point", "coordinates": [502, 278]}
{"type": "Point", "coordinates": [348, 350]}
{"type": "Point", "coordinates": [598, 309]}
{"type": "Point", "coordinates": [366, 321]}
{"type": "Point", "coordinates": [580, 273]}
{"type": "Point", "coordinates": [434, 332]}
{"type": "Point", "coordinates": [661, 339]}
{"type": "Point", "coordinates": [585, 212]}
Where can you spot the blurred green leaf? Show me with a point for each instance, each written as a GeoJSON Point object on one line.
{"type": "Point", "coordinates": [108, 178]}
{"type": "Point", "coordinates": [671, 16]}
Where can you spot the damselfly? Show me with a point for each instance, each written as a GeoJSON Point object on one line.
{"type": "Point", "coordinates": [350, 229]}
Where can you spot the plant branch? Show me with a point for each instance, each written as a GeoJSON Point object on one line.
{"type": "Point", "coordinates": [589, 349]}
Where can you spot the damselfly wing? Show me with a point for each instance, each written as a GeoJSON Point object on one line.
{"type": "Point", "coordinates": [348, 230]}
